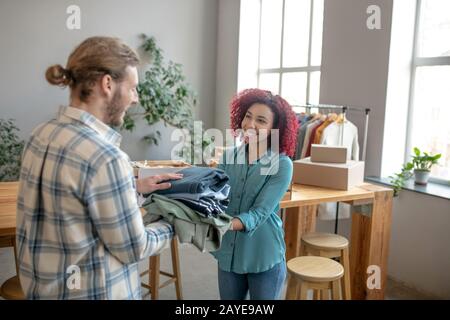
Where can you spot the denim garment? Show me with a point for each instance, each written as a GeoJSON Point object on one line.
{"type": "Point", "coordinates": [204, 233]}
{"type": "Point", "coordinates": [197, 180]}
{"type": "Point", "coordinates": [221, 194]}
{"type": "Point", "coordinates": [261, 286]}
{"type": "Point", "coordinates": [206, 206]}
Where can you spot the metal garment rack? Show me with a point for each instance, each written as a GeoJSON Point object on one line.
{"type": "Point", "coordinates": [344, 110]}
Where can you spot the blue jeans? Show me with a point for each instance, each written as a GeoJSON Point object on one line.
{"type": "Point", "coordinates": [265, 285]}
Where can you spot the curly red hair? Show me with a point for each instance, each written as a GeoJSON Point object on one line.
{"type": "Point", "coordinates": [284, 117]}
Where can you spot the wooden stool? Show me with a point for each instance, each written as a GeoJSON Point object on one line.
{"type": "Point", "coordinates": [317, 273]}
{"type": "Point", "coordinates": [11, 288]}
{"type": "Point", "coordinates": [154, 271]}
{"type": "Point", "coordinates": [329, 245]}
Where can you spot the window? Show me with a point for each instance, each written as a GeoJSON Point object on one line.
{"type": "Point", "coordinates": [290, 49]}
{"type": "Point", "coordinates": [428, 127]}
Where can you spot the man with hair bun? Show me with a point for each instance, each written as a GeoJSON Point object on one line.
{"type": "Point", "coordinates": [80, 233]}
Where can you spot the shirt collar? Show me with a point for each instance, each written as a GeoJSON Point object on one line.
{"type": "Point", "coordinates": [265, 158]}
{"type": "Point", "coordinates": [105, 131]}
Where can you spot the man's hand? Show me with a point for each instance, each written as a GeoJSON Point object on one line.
{"type": "Point", "coordinates": [153, 183]}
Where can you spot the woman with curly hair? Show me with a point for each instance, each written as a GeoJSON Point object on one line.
{"type": "Point", "coordinates": [252, 256]}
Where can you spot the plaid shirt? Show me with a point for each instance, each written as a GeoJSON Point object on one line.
{"type": "Point", "coordinates": [80, 232]}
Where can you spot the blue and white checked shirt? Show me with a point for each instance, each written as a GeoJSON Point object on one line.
{"type": "Point", "coordinates": [80, 233]}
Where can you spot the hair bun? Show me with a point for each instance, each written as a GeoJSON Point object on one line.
{"type": "Point", "coordinates": [58, 76]}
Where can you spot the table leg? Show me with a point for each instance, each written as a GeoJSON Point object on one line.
{"type": "Point", "coordinates": [369, 247]}
{"type": "Point", "coordinates": [298, 220]}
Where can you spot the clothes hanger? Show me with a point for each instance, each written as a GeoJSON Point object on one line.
{"type": "Point", "coordinates": [332, 116]}
{"type": "Point", "coordinates": [340, 119]}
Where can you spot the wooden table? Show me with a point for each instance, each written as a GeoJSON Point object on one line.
{"type": "Point", "coordinates": [8, 203]}
{"type": "Point", "coordinates": [370, 231]}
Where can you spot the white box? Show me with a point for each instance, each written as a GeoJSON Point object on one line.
{"type": "Point", "coordinates": [143, 169]}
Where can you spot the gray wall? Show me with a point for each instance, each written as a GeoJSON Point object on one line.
{"type": "Point", "coordinates": [354, 68]}
{"type": "Point", "coordinates": [227, 60]}
{"type": "Point", "coordinates": [33, 35]}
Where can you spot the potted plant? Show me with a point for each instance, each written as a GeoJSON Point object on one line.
{"type": "Point", "coordinates": [164, 95]}
{"type": "Point", "coordinates": [420, 166]}
{"type": "Point", "coordinates": [11, 148]}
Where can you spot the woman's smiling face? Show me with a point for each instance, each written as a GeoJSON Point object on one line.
{"type": "Point", "coordinates": [257, 121]}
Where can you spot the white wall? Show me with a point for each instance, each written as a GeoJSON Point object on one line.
{"type": "Point", "coordinates": [419, 248]}
{"type": "Point", "coordinates": [33, 35]}
{"type": "Point", "coordinates": [397, 103]}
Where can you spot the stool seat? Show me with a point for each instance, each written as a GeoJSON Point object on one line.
{"type": "Point", "coordinates": [325, 241]}
{"type": "Point", "coordinates": [315, 269]}
{"type": "Point", "coordinates": [12, 290]}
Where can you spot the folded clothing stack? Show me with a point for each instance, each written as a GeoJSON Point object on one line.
{"type": "Point", "coordinates": [195, 205]}
{"type": "Point", "coordinates": [202, 189]}
{"type": "Point", "coordinates": [205, 233]}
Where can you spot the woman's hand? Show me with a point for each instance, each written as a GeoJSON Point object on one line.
{"type": "Point", "coordinates": [237, 225]}
{"type": "Point", "coordinates": [153, 183]}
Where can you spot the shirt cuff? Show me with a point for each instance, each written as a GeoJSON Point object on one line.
{"type": "Point", "coordinates": [248, 222]}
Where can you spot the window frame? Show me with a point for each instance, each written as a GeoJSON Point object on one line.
{"type": "Point", "coordinates": [280, 71]}
{"type": "Point", "coordinates": [417, 62]}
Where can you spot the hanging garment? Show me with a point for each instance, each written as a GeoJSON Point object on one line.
{"type": "Point", "coordinates": [311, 139]}
{"type": "Point", "coordinates": [321, 128]}
{"type": "Point", "coordinates": [306, 142]}
{"type": "Point", "coordinates": [205, 233]}
{"type": "Point", "coordinates": [332, 136]}
{"type": "Point", "coordinates": [300, 140]}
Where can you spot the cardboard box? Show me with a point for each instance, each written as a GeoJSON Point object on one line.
{"type": "Point", "coordinates": [146, 168]}
{"type": "Point", "coordinates": [341, 176]}
{"type": "Point", "coordinates": [328, 154]}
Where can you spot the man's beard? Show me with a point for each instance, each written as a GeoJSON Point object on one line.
{"type": "Point", "coordinates": [114, 110]}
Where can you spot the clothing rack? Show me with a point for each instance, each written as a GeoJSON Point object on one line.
{"type": "Point", "coordinates": [344, 110]}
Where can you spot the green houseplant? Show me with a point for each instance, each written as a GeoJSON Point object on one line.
{"type": "Point", "coordinates": [11, 147]}
{"type": "Point", "coordinates": [419, 166]}
{"type": "Point", "coordinates": [164, 95]}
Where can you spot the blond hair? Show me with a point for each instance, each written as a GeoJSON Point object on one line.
{"type": "Point", "coordinates": [92, 59]}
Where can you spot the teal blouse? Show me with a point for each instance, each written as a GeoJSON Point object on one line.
{"type": "Point", "coordinates": [256, 191]}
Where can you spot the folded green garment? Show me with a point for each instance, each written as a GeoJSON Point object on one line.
{"type": "Point", "coordinates": [190, 227]}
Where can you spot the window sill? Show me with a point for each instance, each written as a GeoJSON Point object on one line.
{"type": "Point", "coordinates": [432, 189]}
